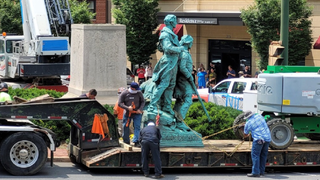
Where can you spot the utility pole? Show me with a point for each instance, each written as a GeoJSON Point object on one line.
{"type": "Point", "coordinates": [284, 30]}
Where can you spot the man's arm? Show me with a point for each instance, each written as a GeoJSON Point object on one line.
{"type": "Point", "coordinates": [158, 134]}
{"type": "Point", "coordinates": [246, 130]}
{"type": "Point", "coordinates": [142, 103]}
{"type": "Point", "coordinates": [169, 47]}
{"type": "Point", "coordinates": [233, 73]}
{"type": "Point", "coordinates": [115, 109]}
{"type": "Point", "coordinates": [121, 101]}
{"type": "Point", "coordinates": [183, 67]}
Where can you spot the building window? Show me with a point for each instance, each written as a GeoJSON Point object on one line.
{"type": "Point", "coordinates": [92, 6]}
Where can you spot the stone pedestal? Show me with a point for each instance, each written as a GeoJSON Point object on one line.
{"type": "Point", "coordinates": [98, 58]}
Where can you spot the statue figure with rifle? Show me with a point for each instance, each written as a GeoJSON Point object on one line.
{"type": "Point", "coordinates": [172, 78]}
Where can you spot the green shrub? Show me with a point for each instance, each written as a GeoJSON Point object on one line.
{"type": "Point", "coordinates": [221, 118]}
{"type": "Point", "coordinates": [33, 93]}
{"type": "Point", "coordinates": [61, 128]}
{"type": "Point", "coordinates": [109, 108]}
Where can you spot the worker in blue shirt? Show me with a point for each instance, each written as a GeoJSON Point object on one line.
{"type": "Point", "coordinates": [256, 124]}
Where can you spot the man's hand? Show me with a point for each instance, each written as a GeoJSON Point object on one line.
{"type": "Point", "coordinates": [139, 112]}
{"type": "Point", "coordinates": [130, 108]}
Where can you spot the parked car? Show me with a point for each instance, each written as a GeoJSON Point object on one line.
{"type": "Point", "coordinates": [229, 92]}
{"type": "Point", "coordinates": [130, 77]}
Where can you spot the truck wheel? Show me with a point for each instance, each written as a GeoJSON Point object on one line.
{"type": "Point", "coordinates": [23, 153]}
{"type": "Point", "coordinates": [238, 132]}
{"type": "Point", "coordinates": [312, 136]}
{"type": "Point", "coordinates": [282, 134]}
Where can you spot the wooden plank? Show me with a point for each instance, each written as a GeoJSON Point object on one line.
{"type": "Point", "coordinates": [216, 146]}
{"type": "Point", "coordinates": [99, 157]}
{"type": "Point", "coordinates": [125, 146]}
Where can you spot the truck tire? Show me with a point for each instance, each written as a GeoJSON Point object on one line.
{"type": "Point", "coordinates": [312, 136]}
{"type": "Point", "coordinates": [23, 153]}
{"type": "Point", "coordinates": [238, 132]}
{"type": "Point", "coordinates": [282, 134]}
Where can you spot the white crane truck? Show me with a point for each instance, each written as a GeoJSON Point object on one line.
{"type": "Point", "coordinates": [38, 54]}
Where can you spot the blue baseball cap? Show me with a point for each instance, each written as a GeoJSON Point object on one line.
{"type": "Point", "coordinates": [135, 86]}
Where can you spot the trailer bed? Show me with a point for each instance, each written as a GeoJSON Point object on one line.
{"type": "Point", "coordinates": [214, 154]}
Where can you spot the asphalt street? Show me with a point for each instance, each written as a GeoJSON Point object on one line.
{"type": "Point", "coordinates": [63, 170]}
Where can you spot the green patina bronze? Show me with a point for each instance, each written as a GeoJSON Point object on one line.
{"type": "Point", "coordinates": [172, 78]}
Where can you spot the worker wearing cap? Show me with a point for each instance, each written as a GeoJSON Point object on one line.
{"type": "Point", "coordinates": [4, 96]}
{"type": "Point", "coordinates": [150, 141]}
{"type": "Point", "coordinates": [256, 124]}
{"type": "Point", "coordinates": [132, 101]}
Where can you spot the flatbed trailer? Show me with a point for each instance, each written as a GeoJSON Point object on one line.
{"type": "Point", "coordinates": [23, 149]}
{"type": "Point", "coordinates": [214, 154]}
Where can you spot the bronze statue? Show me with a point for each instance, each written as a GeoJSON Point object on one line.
{"type": "Point", "coordinates": [165, 71]}
{"type": "Point", "coordinates": [167, 83]}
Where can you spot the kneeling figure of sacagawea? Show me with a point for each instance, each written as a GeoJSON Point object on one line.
{"type": "Point", "coordinates": [160, 91]}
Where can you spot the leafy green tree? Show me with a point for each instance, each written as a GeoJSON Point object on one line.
{"type": "Point", "coordinates": [140, 18]}
{"type": "Point", "coordinates": [80, 12]}
{"type": "Point", "coordinates": [263, 22]}
{"type": "Point", "coordinates": [10, 16]}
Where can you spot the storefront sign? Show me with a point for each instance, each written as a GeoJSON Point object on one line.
{"type": "Point", "coordinates": [197, 21]}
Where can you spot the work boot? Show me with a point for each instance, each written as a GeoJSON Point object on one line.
{"type": "Point", "coordinates": [160, 176]}
{"type": "Point", "coordinates": [253, 175]}
{"type": "Point", "coordinates": [137, 144]}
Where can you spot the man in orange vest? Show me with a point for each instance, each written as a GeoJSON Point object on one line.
{"type": "Point", "coordinates": [118, 111]}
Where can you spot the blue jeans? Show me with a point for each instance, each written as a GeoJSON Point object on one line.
{"type": "Point", "coordinates": [259, 154]}
{"type": "Point", "coordinates": [136, 125]}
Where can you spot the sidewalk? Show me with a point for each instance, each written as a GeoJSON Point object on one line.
{"type": "Point", "coordinates": [61, 153]}
{"type": "Point", "coordinates": [110, 100]}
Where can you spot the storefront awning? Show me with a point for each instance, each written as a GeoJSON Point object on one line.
{"type": "Point", "coordinates": [317, 44]}
{"type": "Point", "coordinates": [178, 30]}
{"type": "Point", "coordinates": [224, 18]}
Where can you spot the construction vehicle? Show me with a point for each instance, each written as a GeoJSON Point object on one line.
{"type": "Point", "coordinates": [38, 54]}
{"type": "Point", "coordinates": [288, 97]}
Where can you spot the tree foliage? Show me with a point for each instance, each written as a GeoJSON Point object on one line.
{"type": "Point", "coordinates": [10, 15]}
{"type": "Point", "coordinates": [140, 18]}
{"type": "Point", "coordinates": [80, 12]}
{"type": "Point", "coordinates": [221, 118]}
{"type": "Point", "coordinates": [263, 22]}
